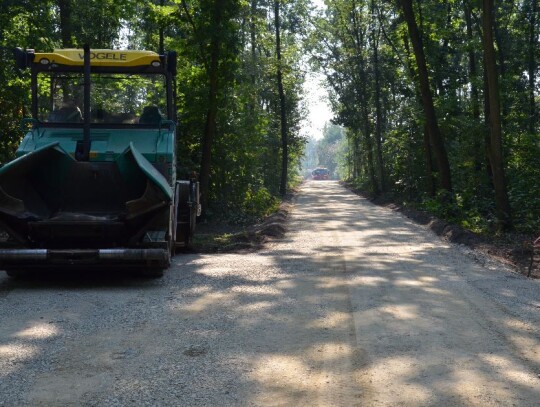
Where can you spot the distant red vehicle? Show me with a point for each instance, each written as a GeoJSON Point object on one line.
{"type": "Point", "coordinates": [320, 173]}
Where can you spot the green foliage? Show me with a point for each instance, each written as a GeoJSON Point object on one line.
{"type": "Point", "coordinates": [362, 48]}
{"type": "Point", "coordinates": [18, 27]}
{"type": "Point", "coordinates": [350, 35]}
{"type": "Point", "coordinates": [328, 147]}
{"type": "Point", "coordinates": [246, 150]}
{"type": "Point", "coordinates": [524, 183]}
{"type": "Point", "coordinates": [259, 203]}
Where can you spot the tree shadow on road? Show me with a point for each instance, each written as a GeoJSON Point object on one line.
{"type": "Point", "coordinates": [367, 310]}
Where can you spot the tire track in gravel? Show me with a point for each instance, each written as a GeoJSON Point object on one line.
{"type": "Point", "coordinates": [433, 338]}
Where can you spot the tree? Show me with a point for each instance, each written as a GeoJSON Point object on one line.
{"type": "Point", "coordinates": [532, 64]}
{"type": "Point", "coordinates": [213, 88]}
{"type": "Point", "coordinates": [328, 148]}
{"type": "Point", "coordinates": [495, 146]}
{"type": "Point", "coordinates": [282, 104]}
{"type": "Point", "coordinates": [437, 141]}
{"type": "Point", "coordinates": [375, 40]}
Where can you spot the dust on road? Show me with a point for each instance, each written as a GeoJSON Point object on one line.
{"type": "Point", "coordinates": [355, 306]}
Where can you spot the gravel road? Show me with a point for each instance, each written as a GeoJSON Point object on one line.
{"type": "Point", "coordinates": [356, 306]}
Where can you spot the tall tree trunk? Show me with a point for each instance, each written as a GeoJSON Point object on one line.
{"type": "Point", "coordinates": [430, 182]}
{"type": "Point", "coordinates": [282, 105]}
{"type": "Point", "coordinates": [378, 118]}
{"type": "Point", "coordinates": [473, 77]}
{"type": "Point", "coordinates": [350, 157]}
{"type": "Point", "coordinates": [376, 35]}
{"type": "Point", "coordinates": [495, 149]}
{"type": "Point", "coordinates": [369, 149]}
{"type": "Point", "coordinates": [66, 35]}
{"type": "Point", "coordinates": [363, 101]}
{"type": "Point", "coordinates": [252, 104]}
{"type": "Point", "coordinates": [357, 158]}
{"type": "Point", "coordinates": [161, 39]}
{"type": "Point", "coordinates": [253, 37]}
{"type": "Point", "coordinates": [363, 96]}
{"type": "Point", "coordinates": [436, 138]}
{"type": "Point", "coordinates": [533, 43]}
{"type": "Point", "coordinates": [486, 133]}
{"type": "Point", "coordinates": [431, 187]}
{"type": "Point", "coordinates": [500, 40]}
{"type": "Point", "coordinates": [211, 115]}
{"type": "Point", "coordinates": [66, 26]}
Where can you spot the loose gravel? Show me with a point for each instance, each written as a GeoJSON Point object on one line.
{"type": "Point", "coordinates": [355, 306]}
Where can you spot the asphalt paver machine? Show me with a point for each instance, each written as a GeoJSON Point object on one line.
{"type": "Point", "coordinates": [94, 181]}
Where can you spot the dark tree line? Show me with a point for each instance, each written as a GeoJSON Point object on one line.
{"type": "Point", "coordinates": [438, 98]}
{"type": "Point", "coordinates": [439, 101]}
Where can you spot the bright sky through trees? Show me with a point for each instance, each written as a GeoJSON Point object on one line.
{"type": "Point", "coordinates": [319, 111]}
{"type": "Point", "coordinates": [317, 103]}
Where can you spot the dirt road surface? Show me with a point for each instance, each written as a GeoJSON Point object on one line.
{"type": "Point", "coordinates": [356, 306]}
